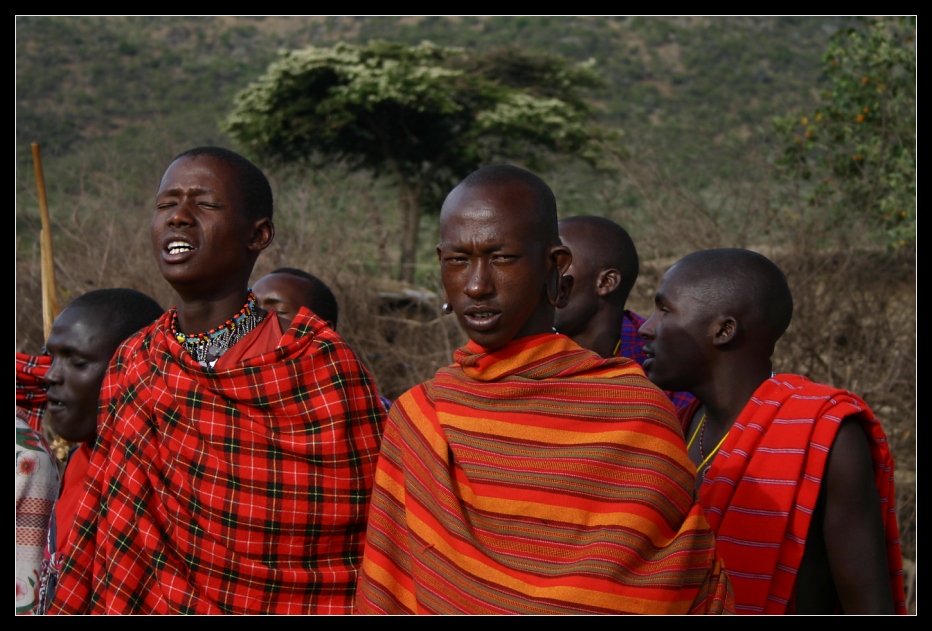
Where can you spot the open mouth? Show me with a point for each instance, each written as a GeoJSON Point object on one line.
{"type": "Point", "coordinates": [481, 318]}
{"type": "Point", "coordinates": [178, 247]}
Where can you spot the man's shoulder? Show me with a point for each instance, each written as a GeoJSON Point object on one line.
{"type": "Point", "coordinates": [802, 388]}
{"type": "Point", "coordinates": [796, 396]}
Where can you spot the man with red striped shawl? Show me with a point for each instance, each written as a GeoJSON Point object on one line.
{"type": "Point", "coordinates": [235, 450]}
{"type": "Point", "coordinates": [531, 476]}
{"type": "Point", "coordinates": [795, 477]}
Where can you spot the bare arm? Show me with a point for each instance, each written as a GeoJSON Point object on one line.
{"type": "Point", "coordinates": [853, 526]}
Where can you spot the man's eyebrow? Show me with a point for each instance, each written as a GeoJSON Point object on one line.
{"type": "Point", "coordinates": [177, 190]}
{"type": "Point", "coordinates": [63, 349]}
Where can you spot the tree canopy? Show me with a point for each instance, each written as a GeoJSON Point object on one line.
{"type": "Point", "coordinates": [425, 116]}
{"type": "Point", "coordinates": [858, 148]}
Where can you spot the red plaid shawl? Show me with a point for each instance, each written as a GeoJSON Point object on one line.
{"type": "Point", "coordinates": [30, 388]}
{"type": "Point", "coordinates": [238, 491]}
{"type": "Point", "coordinates": [537, 478]}
{"type": "Point", "coordinates": [763, 485]}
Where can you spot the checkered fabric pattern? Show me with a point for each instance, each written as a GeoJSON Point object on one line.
{"type": "Point", "coordinates": [30, 388]}
{"type": "Point", "coordinates": [632, 347]}
{"type": "Point", "coordinates": [240, 491]}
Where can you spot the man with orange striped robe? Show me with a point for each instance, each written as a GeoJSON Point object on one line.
{"type": "Point", "coordinates": [531, 476]}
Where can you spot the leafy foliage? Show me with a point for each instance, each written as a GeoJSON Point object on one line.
{"type": "Point", "coordinates": [858, 148]}
{"type": "Point", "coordinates": [425, 115]}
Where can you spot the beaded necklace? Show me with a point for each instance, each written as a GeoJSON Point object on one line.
{"type": "Point", "coordinates": [206, 348]}
{"type": "Point", "coordinates": [706, 460]}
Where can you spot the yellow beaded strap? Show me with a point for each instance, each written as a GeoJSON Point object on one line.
{"type": "Point", "coordinates": [617, 346]}
{"type": "Point", "coordinates": [695, 433]}
{"type": "Point", "coordinates": [714, 451]}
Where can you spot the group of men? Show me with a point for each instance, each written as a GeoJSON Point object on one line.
{"type": "Point", "coordinates": [238, 458]}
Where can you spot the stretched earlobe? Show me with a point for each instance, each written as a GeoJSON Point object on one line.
{"type": "Point", "coordinates": [559, 284]}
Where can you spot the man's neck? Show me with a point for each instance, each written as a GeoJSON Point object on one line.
{"type": "Point", "coordinates": [200, 316]}
{"type": "Point", "coordinates": [603, 333]}
{"type": "Point", "coordinates": [726, 395]}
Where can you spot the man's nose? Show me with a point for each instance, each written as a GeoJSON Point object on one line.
{"type": "Point", "coordinates": [53, 376]}
{"type": "Point", "coordinates": [181, 214]}
{"type": "Point", "coordinates": [647, 329]}
{"type": "Point", "coordinates": [480, 281]}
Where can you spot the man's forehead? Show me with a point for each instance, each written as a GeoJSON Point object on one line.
{"type": "Point", "coordinates": [511, 206]}
{"type": "Point", "coordinates": [77, 324]}
{"type": "Point", "coordinates": [202, 168]}
{"type": "Point", "coordinates": [283, 282]}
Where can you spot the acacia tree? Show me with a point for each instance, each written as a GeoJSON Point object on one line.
{"type": "Point", "coordinates": [425, 116]}
{"type": "Point", "coordinates": [857, 150]}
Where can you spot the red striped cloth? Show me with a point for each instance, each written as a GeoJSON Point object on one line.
{"type": "Point", "coordinates": [30, 388]}
{"type": "Point", "coordinates": [537, 478]}
{"type": "Point", "coordinates": [762, 487]}
{"type": "Point", "coordinates": [235, 491]}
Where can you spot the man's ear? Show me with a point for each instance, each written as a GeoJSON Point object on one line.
{"type": "Point", "coordinates": [566, 288]}
{"type": "Point", "coordinates": [263, 231]}
{"type": "Point", "coordinates": [724, 330]}
{"type": "Point", "coordinates": [559, 285]}
{"type": "Point", "coordinates": [608, 281]}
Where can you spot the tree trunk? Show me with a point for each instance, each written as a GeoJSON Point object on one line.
{"type": "Point", "coordinates": [410, 227]}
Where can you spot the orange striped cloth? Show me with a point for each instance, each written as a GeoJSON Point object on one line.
{"type": "Point", "coordinates": [762, 487]}
{"type": "Point", "coordinates": [537, 478]}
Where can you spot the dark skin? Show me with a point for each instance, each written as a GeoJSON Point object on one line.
{"type": "Point", "coordinates": [284, 294]}
{"type": "Point", "coordinates": [499, 272]}
{"type": "Point", "coordinates": [81, 346]}
{"type": "Point", "coordinates": [714, 352]}
{"type": "Point", "coordinates": [204, 241]}
{"type": "Point", "coordinates": [595, 312]}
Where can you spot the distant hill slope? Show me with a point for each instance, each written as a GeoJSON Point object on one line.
{"type": "Point", "coordinates": [125, 81]}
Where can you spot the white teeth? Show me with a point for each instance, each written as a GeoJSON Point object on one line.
{"type": "Point", "coordinates": [177, 247]}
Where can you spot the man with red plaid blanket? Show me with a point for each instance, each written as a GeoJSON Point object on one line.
{"type": "Point", "coordinates": [235, 455]}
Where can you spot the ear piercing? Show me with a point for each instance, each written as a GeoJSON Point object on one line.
{"type": "Point", "coordinates": [446, 308]}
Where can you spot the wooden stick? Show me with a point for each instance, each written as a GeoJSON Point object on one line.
{"type": "Point", "coordinates": [50, 308]}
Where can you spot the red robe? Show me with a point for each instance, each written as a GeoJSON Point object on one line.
{"type": "Point", "coordinates": [537, 478]}
{"type": "Point", "coordinates": [762, 487]}
{"type": "Point", "coordinates": [241, 490]}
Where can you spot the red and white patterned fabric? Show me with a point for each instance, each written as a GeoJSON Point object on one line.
{"type": "Point", "coordinates": [30, 388]}
{"type": "Point", "coordinates": [241, 490]}
{"type": "Point", "coordinates": [762, 487]}
{"type": "Point", "coordinates": [36, 482]}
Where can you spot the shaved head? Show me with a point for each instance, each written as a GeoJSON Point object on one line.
{"type": "Point", "coordinates": [603, 244]}
{"type": "Point", "coordinates": [745, 284]}
{"type": "Point", "coordinates": [500, 175]}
